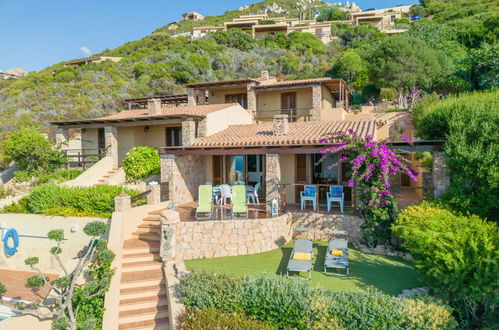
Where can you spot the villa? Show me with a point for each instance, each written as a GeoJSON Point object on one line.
{"type": "Point", "coordinates": [95, 59]}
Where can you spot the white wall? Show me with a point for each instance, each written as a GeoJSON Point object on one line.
{"type": "Point", "coordinates": [33, 230]}
{"type": "Point", "coordinates": [220, 120]}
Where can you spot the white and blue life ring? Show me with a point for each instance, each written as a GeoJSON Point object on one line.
{"type": "Point", "coordinates": [10, 250]}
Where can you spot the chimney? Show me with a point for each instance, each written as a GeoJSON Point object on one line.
{"type": "Point", "coordinates": [280, 125]}
{"type": "Point", "coordinates": [154, 106]}
{"type": "Point", "coordinates": [264, 74]}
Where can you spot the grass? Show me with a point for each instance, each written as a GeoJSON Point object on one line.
{"type": "Point", "coordinates": [390, 275]}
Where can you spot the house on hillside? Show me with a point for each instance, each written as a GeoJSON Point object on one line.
{"type": "Point", "coordinates": [257, 130]}
{"type": "Point", "coordinates": [95, 59]}
{"type": "Point", "coordinates": [383, 19]}
{"type": "Point", "coordinates": [13, 73]}
{"type": "Point", "coordinates": [192, 16]}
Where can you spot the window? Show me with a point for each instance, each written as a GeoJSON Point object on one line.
{"type": "Point", "coordinates": [242, 99]}
{"type": "Point", "coordinates": [101, 138]}
{"type": "Point", "coordinates": [173, 136]}
{"type": "Point", "coordinates": [288, 105]}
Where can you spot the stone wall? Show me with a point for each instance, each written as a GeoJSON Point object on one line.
{"type": "Point", "coordinates": [272, 178]}
{"type": "Point", "coordinates": [440, 171]}
{"type": "Point", "coordinates": [111, 138]}
{"type": "Point", "coordinates": [323, 223]}
{"type": "Point", "coordinates": [183, 175]}
{"type": "Point", "coordinates": [211, 239]}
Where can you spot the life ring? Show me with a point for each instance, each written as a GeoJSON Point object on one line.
{"type": "Point", "coordinates": [10, 250]}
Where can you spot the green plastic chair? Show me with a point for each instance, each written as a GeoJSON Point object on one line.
{"type": "Point", "coordinates": [239, 203]}
{"type": "Point", "coordinates": [205, 203]}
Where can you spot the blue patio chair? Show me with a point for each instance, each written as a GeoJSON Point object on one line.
{"type": "Point", "coordinates": [335, 194]}
{"type": "Point", "coordinates": [309, 193]}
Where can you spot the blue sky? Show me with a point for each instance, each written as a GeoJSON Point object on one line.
{"type": "Point", "coordinates": [35, 34]}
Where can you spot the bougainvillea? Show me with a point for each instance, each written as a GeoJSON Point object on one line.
{"type": "Point", "coordinates": [373, 165]}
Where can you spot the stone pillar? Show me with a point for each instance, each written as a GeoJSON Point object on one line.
{"type": "Point", "coordinates": [123, 202]}
{"type": "Point", "coordinates": [272, 179]}
{"type": "Point", "coordinates": [61, 136]}
{"type": "Point", "coordinates": [441, 180]}
{"type": "Point", "coordinates": [202, 128]}
{"type": "Point", "coordinates": [191, 97]}
{"type": "Point", "coordinates": [154, 106]}
{"type": "Point", "coordinates": [427, 184]}
{"type": "Point", "coordinates": [316, 102]}
{"type": "Point", "coordinates": [188, 132]}
{"type": "Point", "coordinates": [154, 197]}
{"type": "Point", "coordinates": [111, 138]}
{"type": "Point", "coordinates": [280, 125]}
{"type": "Point", "coordinates": [202, 96]}
{"type": "Point", "coordinates": [251, 96]}
{"type": "Point", "coordinates": [169, 220]}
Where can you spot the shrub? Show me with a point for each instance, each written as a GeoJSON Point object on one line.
{"type": "Point", "coordinates": [427, 313]}
{"type": "Point", "coordinates": [389, 94]}
{"type": "Point", "coordinates": [469, 124]}
{"type": "Point", "coordinates": [6, 191]}
{"type": "Point", "coordinates": [194, 319]}
{"type": "Point", "coordinates": [51, 199]}
{"type": "Point", "coordinates": [141, 162]}
{"type": "Point", "coordinates": [31, 151]}
{"type": "Point", "coordinates": [58, 176]}
{"type": "Point", "coordinates": [290, 304]}
{"type": "Point", "coordinates": [456, 254]}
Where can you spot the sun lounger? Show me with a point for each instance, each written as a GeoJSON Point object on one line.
{"type": "Point", "coordinates": [239, 203]}
{"type": "Point", "coordinates": [205, 203]}
{"type": "Point", "coordinates": [337, 253]}
{"type": "Point", "coordinates": [301, 258]}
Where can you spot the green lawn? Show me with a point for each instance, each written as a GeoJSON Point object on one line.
{"type": "Point", "coordinates": [389, 274]}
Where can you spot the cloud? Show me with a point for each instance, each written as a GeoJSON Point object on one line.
{"type": "Point", "coordinates": [86, 51]}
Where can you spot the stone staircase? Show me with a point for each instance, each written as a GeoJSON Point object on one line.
{"type": "Point", "coordinates": [143, 297]}
{"type": "Point", "coordinates": [105, 177]}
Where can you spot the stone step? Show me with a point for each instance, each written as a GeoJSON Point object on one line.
{"type": "Point", "coordinates": [153, 218]}
{"type": "Point", "coordinates": [141, 256]}
{"type": "Point", "coordinates": [140, 284]}
{"type": "Point", "coordinates": [140, 291]}
{"type": "Point", "coordinates": [136, 244]}
{"type": "Point", "coordinates": [157, 212]}
{"type": "Point", "coordinates": [141, 265]}
{"type": "Point", "coordinates": [149, 225]}
{"type": "Point", "coordinates": [156, 324]}
{"type": "Point", "coordinates": [128, 303]}
{"type": "Point", "coordinates": [140, 276]}
{"type": "Point", "coordinates": [147, 236]}
{"type": "Point", "coordinates": [143, 314]}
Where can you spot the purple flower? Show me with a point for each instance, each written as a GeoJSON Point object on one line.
{"type": "Point", "coordinates": [351, 183]}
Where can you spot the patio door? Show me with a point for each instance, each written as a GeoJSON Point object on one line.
{"type": "Point", "coordinates": [288, 105]}
{"type": "Point", "coordinates": [254, 165]}
{"type": "Point", "coordinates": [218, 170]}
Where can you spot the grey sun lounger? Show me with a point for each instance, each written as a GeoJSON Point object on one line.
{"type": "Point", "coordinates": [337, 261]}
{"type": "Point", "coordinates": [301, 266]}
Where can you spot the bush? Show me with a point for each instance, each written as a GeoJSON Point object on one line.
{"type": "Point", "coordinates": [428, 313]}
{"type": "Point", "coordinates": [389, 94]}
{"type": "Point", "coordinates": [6, 191]}
{"type": "Point", "coordinates": [31, 151]}
{"type": "Point", "coordinates": [456, 254]}
{"type": "Point", "coordinates": [51, 199]}
{"type": "Point", "coordinates": [141, 162]}
{"type": "Point", "coordinates": [469, 124]}
{"type": "Point", "coordinates": [194, 319]}
{"type": "Point", "coordinates": [58, 176]}
{"type": "Point", "coordinates": [290, 304]}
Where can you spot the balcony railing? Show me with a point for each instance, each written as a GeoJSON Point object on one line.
{"type": "Point", "coordinates": [83, 158]}
{"type": "Point", "coordinates": [298, 114]}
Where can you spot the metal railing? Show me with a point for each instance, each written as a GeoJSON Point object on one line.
{"type": "Point", "coordinates": [298, 114]}
{"type": "Point", "coordinates": [83, 158]}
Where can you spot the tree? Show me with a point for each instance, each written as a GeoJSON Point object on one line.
{"type": "Point", "coordinates": [70, 295]}
{"type": "Point", "coordinates": [417, 10]}
{"type": "Point", "coordinates": [31, 151]}
{"type": "Point", "coordinates": [333, 13]}
{"type": "Point", "coordinates": [405, 64]}
{"type": "Point", "coordinates": [350, 66]}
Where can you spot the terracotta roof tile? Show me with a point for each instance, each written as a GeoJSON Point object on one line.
{"type": "Point", "coordinates": [199, 110]}
{"type": "Point", "coordinates": [307, 133]}
{"type": "Point", "coordinates": [293, 82]}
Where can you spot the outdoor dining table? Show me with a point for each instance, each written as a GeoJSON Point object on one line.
{"type": "Point", "coordinates": [217, 189]}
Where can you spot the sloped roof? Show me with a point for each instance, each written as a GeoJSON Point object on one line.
{"type": "Point", "coordinates": [306, 133]}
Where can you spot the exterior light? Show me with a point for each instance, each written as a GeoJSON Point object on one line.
{"type": "Point", "coordinates": [146, 129]}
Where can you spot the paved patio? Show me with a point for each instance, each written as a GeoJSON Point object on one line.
{"type": "Point", "coordinates": [15, 281]}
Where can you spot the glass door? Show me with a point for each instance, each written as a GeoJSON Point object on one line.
{"type": "Point", "coordinates": [255, 172]}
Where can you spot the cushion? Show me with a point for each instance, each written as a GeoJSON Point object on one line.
{"type": "Point", "coordinates": [302, 256]}
{"type": "Point", "coordinates": [336, 252]}
{"type": "Point", "coordinates": [335, 191]}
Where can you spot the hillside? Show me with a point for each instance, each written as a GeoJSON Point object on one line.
{"type": "Point", "coordinates": [160, 64]}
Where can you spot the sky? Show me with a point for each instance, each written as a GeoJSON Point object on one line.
{"type": "Point", "coordinates": [35, 34]}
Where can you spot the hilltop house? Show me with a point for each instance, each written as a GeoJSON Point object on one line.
{"type": "Point", "coordinates": [95, 59]}
{"type": "Point", "coordinates": [257, 130]}
{"type": "Point", "coordinates": [383, 19]}
{"type": "Point", "coordinates": [192, 16]}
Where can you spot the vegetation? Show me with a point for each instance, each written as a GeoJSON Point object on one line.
{"type": "Point", "coordinates": [6, 191]}
{"type": "Point", "coordinates": [57, 176]}
{"type": "Point", "coordinates": [458, 256]}
{"type": "Point", "coordinates": [333, 13]}
{"type": "Point", "coordinates": [293, 304]}
{"type": "Point", "coordinates": [53, 200]}
{"type": "Point", "coordinates": [77, 304]}
{"type": "Point", "coordinates": [389, 275]}
{"type": "Point", "coordinates": [469, 123]}
{"type": "Point", "coordinates": [141, 162]}
{"type": "Point", "coordinates": [193, 319]}
{"type": "Point", "coordinates": [32, 152]}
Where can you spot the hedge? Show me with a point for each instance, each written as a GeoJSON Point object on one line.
{"type": "Point", "coordinates": [291, 304]}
